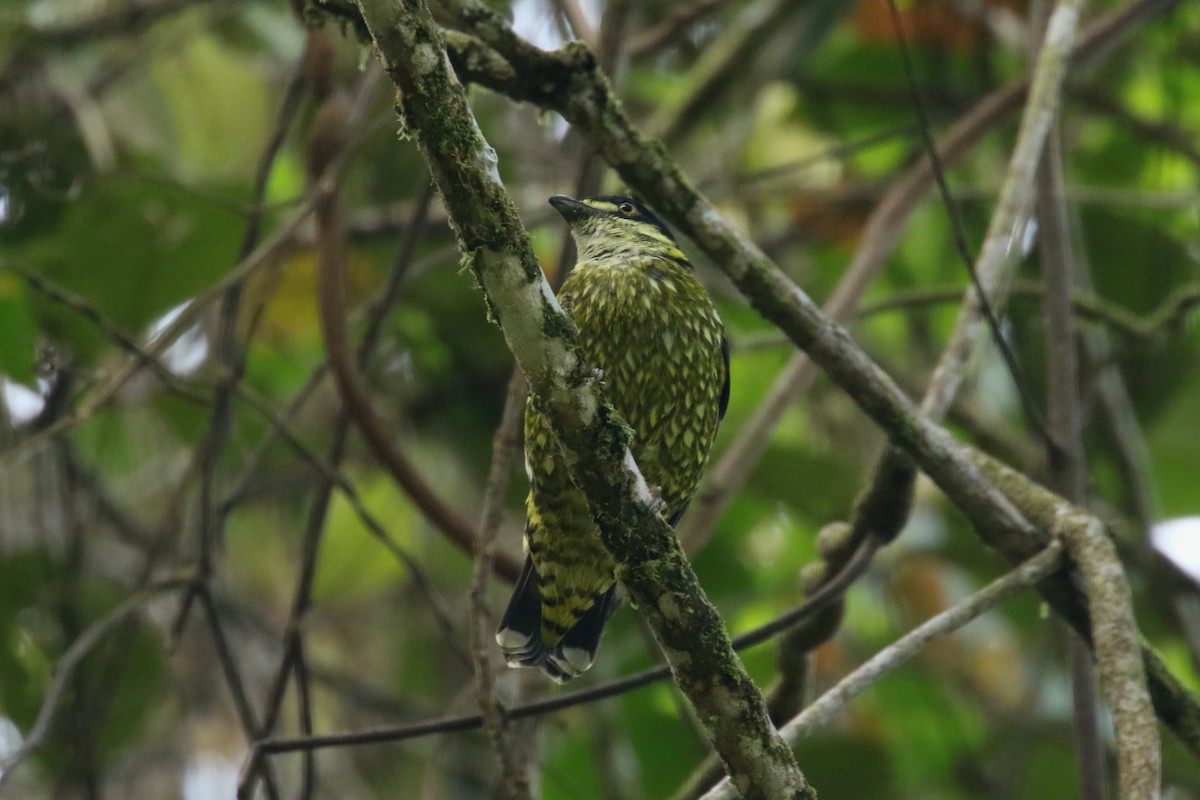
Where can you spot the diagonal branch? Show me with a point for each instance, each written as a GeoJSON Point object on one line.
{"type": "Point", "coordinates": [903, 650]}
{"type": "Point", "coordinates": [71, 659]}
{"type": "Point", "coordinates": [651, 563]}
{"type": "Point", "coordinates": [1115, 642]}
{"type": "Point", "coordinates": [568, 82]}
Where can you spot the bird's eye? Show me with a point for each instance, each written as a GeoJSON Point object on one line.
{"type": "Point", "coordinates": [626, 208]}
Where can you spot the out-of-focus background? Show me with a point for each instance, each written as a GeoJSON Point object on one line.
{"type": "Point", "coordinates": [131, 133]}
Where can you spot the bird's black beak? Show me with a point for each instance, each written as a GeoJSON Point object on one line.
{"type": "Point", "coordinates": [571, 209]}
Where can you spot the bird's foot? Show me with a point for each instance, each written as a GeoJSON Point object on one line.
{"type": "Point", "coordinates": [657, 504]}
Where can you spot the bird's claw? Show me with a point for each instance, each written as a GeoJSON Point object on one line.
{"type": "Point", "coordinates": [657, 504]}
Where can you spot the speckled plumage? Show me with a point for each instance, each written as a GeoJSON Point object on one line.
{"type": "Point", "coordinates": [649, 326]}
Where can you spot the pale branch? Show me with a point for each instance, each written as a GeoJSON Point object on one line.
{"type": "Point", "coordinates": [817, 715]}
{"type": "Point", "coordinates": [879, 238]}
{"type": "Point", "coordinates": [883, 507]}
{"type": "Point", "coordinates": [1175, 705]}
{"type": "Point", "coordinates": [513, 782]}
{"type": "Point", "coordinates": [568, 82]}
{"type": "Point", "coordinates": [652, 566]}
{"type": "Point", "coordinates": [1001, 250]}
{"type": "Point", "coordinates": [65, 668]}
{"type": "Point", "coordinates": [565, 83]}
{"type": "Point", "coordinates": [1064, 415]}
{"type": "Point", "coordinates": [1115, 641]}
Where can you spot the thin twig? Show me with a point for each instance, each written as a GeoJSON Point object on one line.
{"type": "Point", "coordinates": [1002, 244]}
{"type": "Point", "coordinates": [1064, 415]}
{"type": "Point", "coordinates": [680, 19]}
{"type": "Point", "coordinates": [1008, 221]}
{"type": "Point", "coordinates": [651, 564]}
{"type": "Point", "coordinates": [513, 783]}
{"type": "Point", "coordinates": [1117, 645]}
{"type": "Point", "coordinates": [65, 668]}
{"type": "Point", "coordinates": [813, 605]}
{"type": "Point", "coordinates": [817, 715]}
{"type": "Point", "coordinates": [497, 58]}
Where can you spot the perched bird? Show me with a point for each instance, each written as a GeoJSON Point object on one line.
{"type": "Point", "coordinates": [648, 326]}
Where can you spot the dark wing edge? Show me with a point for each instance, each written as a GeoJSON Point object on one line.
{"type": "Point", "coordinates": [723, 403]}
{"type": "Point", "coordinates": [519, 633]}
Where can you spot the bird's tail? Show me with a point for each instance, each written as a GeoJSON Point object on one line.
{"type": "Point", "coordinates": [520, 631]}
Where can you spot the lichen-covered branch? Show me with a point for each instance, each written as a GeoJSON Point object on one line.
{"type": "Point", "coordinates": [1177, 707]}
{"type": "Point", "coordinates": [1115, 642]}
{"type": "Point", "coordinates": [904, 649]}
{"type": "Point", "coordinates": [567, 81]}
{"type": "Point", "coordinates": [495, 247]}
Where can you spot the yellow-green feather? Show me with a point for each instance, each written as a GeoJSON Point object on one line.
{"type": "Point", "coordinates": [650, 327]}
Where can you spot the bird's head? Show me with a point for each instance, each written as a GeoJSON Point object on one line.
{"type": "Point", "coordinates": [613, 225]}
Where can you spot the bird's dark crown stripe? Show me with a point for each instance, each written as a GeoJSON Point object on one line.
{"type": "Point", "coordinates": [611, 203]}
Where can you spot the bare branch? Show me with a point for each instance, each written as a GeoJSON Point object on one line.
{"type": "Point", "coordinates": [581, 95]}
{"type": "Point", "coordinates": [72, 658]}
{"type": "Point", "coordinates": [651, 564]}
{"type": "Point", "coordinates": [1116, 643]}
{"type": "Point", "coordinates": [895, 655]}
{"type": "Point", "coordinates": [514, 782]}
{"type": "Point", "coordinates": [1064, 413]}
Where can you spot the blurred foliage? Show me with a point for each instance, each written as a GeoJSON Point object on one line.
{"type": "Point", "coordinates": [128, 150]}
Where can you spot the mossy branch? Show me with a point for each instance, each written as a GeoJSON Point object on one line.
{"type": "Point", "coordinates": [568, 82]}
{"type": "Point", "coordinates": [496, 248]}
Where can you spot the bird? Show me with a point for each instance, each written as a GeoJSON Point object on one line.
{"type": "Point", "coordinates": [650, 330]}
